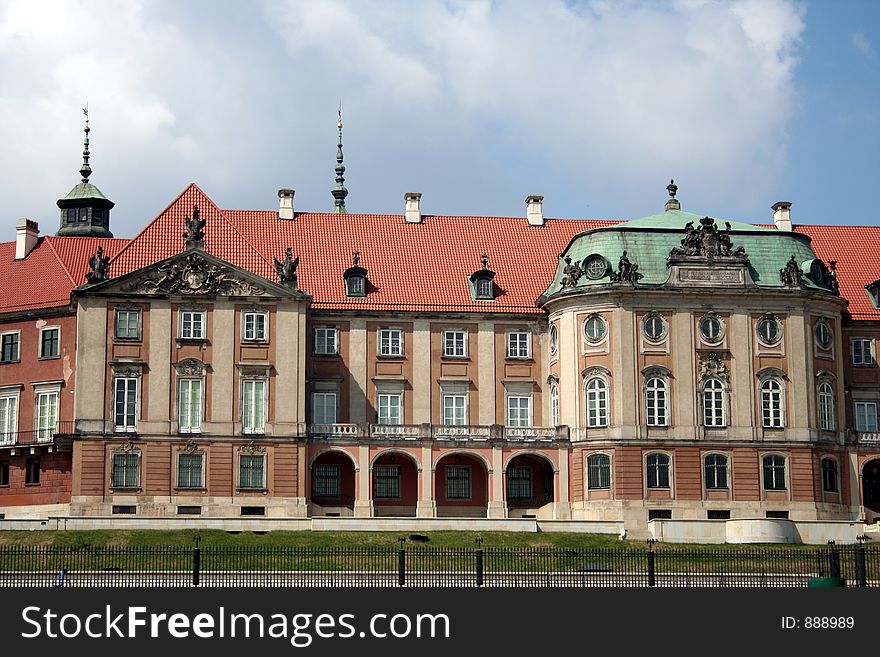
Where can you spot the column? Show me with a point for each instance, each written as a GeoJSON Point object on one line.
{"type": "Point", "coordinates": [427, 507]}
{"type": "Point", "coordinates": [357, 350]}
{"type": "Point", "coordinates": [562, 507]}
{"type": "Point", "coordinates": [363, 504]}
{"type": "Point", "coordinates": [497, 505]}
{"type": "Point", "coordinates": [421, 372]}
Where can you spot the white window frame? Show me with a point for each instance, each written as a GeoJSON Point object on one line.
{"type": "Point", "coordinates": [385, 403]}
{"type": "Point", "coordinates": [870, 423]}
{"type": "Point", "coordinates": [128, 312]}
{"type": "Point", "coordinates": [554, 404]}
{"type": "Point", "coordinates": [17, 358]}
{"type": "Point", "coordinates": [776, 418]}
{"type": "Point", "coordinates": [459, 346]}
{"type": "Point", "coordinates": [192, 423]}
{"type": "Point", "coordinates": [867, 357]}
{"type": "Point", "coordinates": [9, 417]}
{"type": "Point", "coordinates": [780, 330]}
{"type": "Point", "coordinates": [455, 414]}
{"type": "Point", "coordinates": [721, 327]}
{"type": "Point", "coordinates": [718, 403]}
{"type": "Point", "coordinates": [596, 400]}
{"type": "Point", "coordinates": [324, 396]}
{"type": "Point", "coordinates": [387, 347]}
{"type": "Point", "coordinates": [43, 331]}
{"type": "Point", "coordinates": [203, 320]}
{"type": "Point", "coordinates": [250, 422]}
{"type": "Point", "coordinates": [661, 334]}
{"type": "Point", "coordinates": [826, 406]}
{"type": "Point", "coordinates": [656, 401]}
{"type": "Point", "coordinates": [129, 415]}
{"type": "Point", "coordinates": [519, 344]}
{"type": "Point", "coordinates": [522, 402]}
{"type": "Point", "coordinates": [45, 433]}
{"type": "Point", "coordinates": [255, 334]}
{"type": "Point", "coordinates": [600, 321]}
{"type": "Point", "coordinates": [329, 333]}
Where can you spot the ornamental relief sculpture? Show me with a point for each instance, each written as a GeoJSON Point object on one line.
{"type": "Point", "coordinates": [712, 366]}
{"type": "Point", "coordinates": [193, 274]}
{"type": "Point", "coordinates": [707, 242]}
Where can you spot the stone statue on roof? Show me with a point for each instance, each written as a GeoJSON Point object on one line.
{"type": "Point", "coordinates": [195, 230]}
{"type": "Point", "coordinates": [99, 267]}
{"type": "Point", "coordinates": [571, 273]}
{"type": "Point", "coordinates": [626, 270]}
{"type": "Point", "coordinates": [791, 275]}
{"type": "Point", "coordinates": [287, 268]}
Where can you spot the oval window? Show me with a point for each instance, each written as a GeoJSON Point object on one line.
{"type": "Point", "coordinates": [769, 330]}
{"type": "Point", "coordinates": [654, 327]}
{"type": "Point", "coordinates": [594, 328]}
{"type": "Point", "coordinates": [710, 328]}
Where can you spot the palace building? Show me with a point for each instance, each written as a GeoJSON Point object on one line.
{"type": "Point", "coordinates": [281, 363]}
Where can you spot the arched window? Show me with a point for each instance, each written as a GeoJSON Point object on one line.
{"type": "Point", "coordinates": [829, 475]}
{"type": "Point", "coordinates": [656, 402]}
{"type": "Point", "coordinates": [771, 404]}
{"type": "Point", "coordinates": [774, 472]}
{"type": "Point", "coordinates": [554, 405]}
{"type": "Point", "coordinates": [597, 402]}
{"type": "Point", "coordinates": [715, 468]}
{"type": "Point", "coordinates": [713, 403]}
{"type": "Point", "coordinates": [826, 406]}
{"type": "Point", "coordinates": [598, 471]}
{"type": "Point", "coordinates": [657, 470]}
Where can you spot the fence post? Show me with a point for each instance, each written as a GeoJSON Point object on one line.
{"type": "Point", "coordinates": [401, 563]}
{"type": "Point", "coordinates": [652, 578]}
{"type": "Point", "coordinates": [833, 560]}
{"type": "Point", "coordinates": [197, 559]}
{"type": "Point", "coordinates": [479, 561]}
{"type": "Point", "coordinates": [861, 570]}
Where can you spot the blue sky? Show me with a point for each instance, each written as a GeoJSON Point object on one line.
{"type": "Point", "coordinates": [475, 104]}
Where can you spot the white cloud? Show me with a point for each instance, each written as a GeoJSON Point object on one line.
{"type": "Point", "coordinates": [861, 43]}
{"type": "Point", "coordinates": [476, 104]}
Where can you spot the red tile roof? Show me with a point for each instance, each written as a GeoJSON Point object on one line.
{"type": "Point", "coordinates": [412, 267]}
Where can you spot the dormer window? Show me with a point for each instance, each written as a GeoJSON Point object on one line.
{"type": "Point", "coordinates": [483, 282]}
{"type": "Point", "coordinates": [355, 278]}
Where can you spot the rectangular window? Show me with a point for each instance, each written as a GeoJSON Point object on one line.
{"type": "Point", "coordinates": [49, 342]}
{"type": "Point", "coordinates": [519, 411]}
{"type": "Point", "coordinates": [387, 482]}
{"type": "Point", "coordinates": [326, 342]}
{"type": "Point", "coordinates": [253, 405]}
{"type": "Point", "coordinates": [125, 470]}
{"type": "Point", "coordinates": [324, 408]}
{"type": "Point", "coordinates": [125, 397]}
{"type": "Point", "coordinates": [454, 410]}
{"type": "Point", "coordinates": [861, 351]}
{"type": "Point", "coordinates": [47, 414]}
{"type": "Point", "coordinates": [192, 325]}
{"type": "Point", "coordinates": [8, 420]}
{"type": "Point", "coordinates": [4, 474]}
{"type": "Point", "coordinates": [866, 417]}
{"type": "Point", "coordinates": [32, 472]}
{"type": "Point", "coordinates": [598, 472]}
{"type": "Point", "coordinates": [128, 324]}
{"type": "Point", "coordinates": [390, 342]}
{"type": "Point", "coordinates": [10, 345]}
{"type": "Point", "coordinates": [389, 409]}
{"type": "Point", "coordinates": [326, 481]}
{"type": "Point", "coordinates": [189, 406]}
{"type": "Point", "coordinates": [255, 326]}
{"type": "Point", "coordinates": [659, 514]}
{"type": "Point", "coordinates": [778, 515]}
{"type": "Point", "coordinates": [189, 470]}
{"type": "Point", "coordinates": [250, 471]}
{"type": "Point", "coordinates": [455, 344]}
{"type": "Point", "coordinates": [519, 344]}
{"type": "Point", "coordinates": [718, 514]}
{"type": "Point", "coordinates": [458, 482]}
{"type": "Point", "coordinates": [519, 483]}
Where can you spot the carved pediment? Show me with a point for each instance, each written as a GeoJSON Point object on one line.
{"type": "Point", "coordinates": [712, 366]}
{"type": "Point", "coordinates": [193, 274]}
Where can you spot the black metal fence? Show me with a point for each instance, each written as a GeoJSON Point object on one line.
{"type": "Point", "coordinates": [424, 566]}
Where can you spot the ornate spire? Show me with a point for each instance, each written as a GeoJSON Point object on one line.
{"type": "Point", "coordinates": [86, 170]}
{"type": "Point", "coordinates": [339, 191]}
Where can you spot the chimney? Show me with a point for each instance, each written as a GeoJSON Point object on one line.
{"type": "Point", "coordinates": [413, 209]}
{"type": "Point", "coordinates": [27, 232]}
{"type": "Point", "coordinates": [285, 204]}
{"type": "Point", "coordinates": [782, 215]}
{"type": "Point", "coordinates": [535, 210]}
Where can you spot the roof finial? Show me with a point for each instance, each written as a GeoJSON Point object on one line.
{"type": "Point", "coordinates": [485, 260]}
{"type": "Point", "coordinates": [339, 191]}
{"type": "Point", "coordinates": [672, 203]}
{"type": "Point", "coordinates": [355, 257]}
{"type": "Point", "coordinates": [86, 170]}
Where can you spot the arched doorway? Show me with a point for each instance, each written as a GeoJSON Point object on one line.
{"type": "Point", "coordinates": [461, 486]}
{"type": "Point", "coordinates": [332, 481]}
{"type": "Point", "coordinates": [871, 487]}
{"type": "Point", "coordinates": [529, 486]}
{"type": "Point", "coordinates": [395, 485]}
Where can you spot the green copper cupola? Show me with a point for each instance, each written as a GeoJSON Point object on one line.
{"type": "Point", "coordinates": [338, 190]}
{"type": "Point", "coordinates": [85, 211]}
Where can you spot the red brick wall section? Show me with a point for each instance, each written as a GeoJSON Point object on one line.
{"type": "Point", "coordinates": [746, 475]}
{"type": "Point", "coordinates": [688, 478]}
{"type": "Point", "coordinates": [220, 472]}
{"type": "Point", "coordinates": [286, 471]}
{"type": "Point", "coordinates": [804, 485]}
{"type": "Point", "coordinates": [54, 486]}
{"type": "Point", "coordinates": [628, 473]}
{"type": "Point", "coordinates": [91, 479]}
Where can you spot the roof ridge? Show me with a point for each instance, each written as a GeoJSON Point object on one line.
{"type": "Point", "coordinates": [48, 239]}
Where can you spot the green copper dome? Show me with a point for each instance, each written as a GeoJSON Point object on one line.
{"type": "Point", "coordinates": [84, 190]}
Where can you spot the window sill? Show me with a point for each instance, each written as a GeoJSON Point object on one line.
{"type": "Point", "coordinates": [189, 432]}
{"type": "Point", "coordinates": [255, 343]}
{"type": "Point", "coordinates": [9, 362]}
{"type": "Point", "coordinates": [127, 430]}
{"type": "Point", "coordinates": [193, 340]}
{"type": "Point", "coordinates": [251, 490]}
{"type": "Point", "coordinates": [127, 340]}
{"type": "Point", "coordinates": [125, 489]}
{"type": "Point", "coordinates": [48, 357]}
{"type": "Point", "coordinates": [457, 359]}
{"type": "Point", "coordinates": [327, 355]}
{"type": "Point", "coordinates": [185, 489]}
{"type": "Point", "coordinates": [521, 359]}
{"type": "Point", "coordinates": [32, 485]}
{"type": "Point", "coordinates": [390, 356]}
